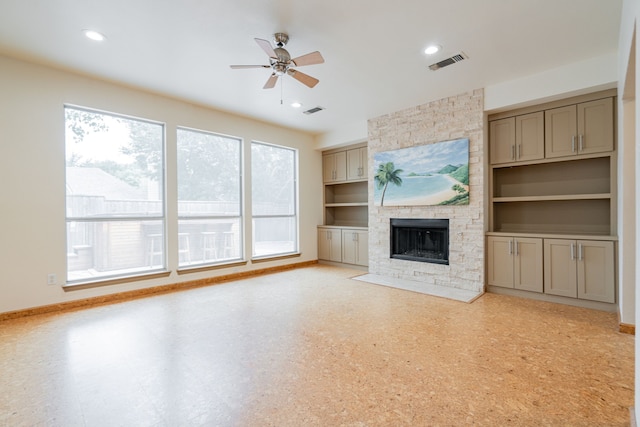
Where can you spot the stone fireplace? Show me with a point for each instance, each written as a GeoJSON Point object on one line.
{"type": "Point", "coordinates": [421, 240]}
{"type": "Point", "coordinates": [459, 116]}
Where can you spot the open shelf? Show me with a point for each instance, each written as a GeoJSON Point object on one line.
{"type": "Point", "coordinates": [563, 178]}
{"type": "Point", "coordinates": [603, 196]}
{"type": "Point", "coordinates": [347, 216]}
{"type": "Point", "coordinates": [346, 194]}
{"type": "Point", "coordinates": [339, 205]}
{"type": "Point", "coordinates": [591, 216]}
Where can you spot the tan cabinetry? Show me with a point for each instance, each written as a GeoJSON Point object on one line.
{"type": "Point", "coordinates": [355, 247]}
{"type": "Point", "coordinates": [552, 179]}
{"type": "Point", "coordinates": [515, 263]}
{"type": "Point", "coordinates": [579, 269]}
{"type": "Point", "coordinates": [584, 128]}
{"type": "Point", "coordinates": [344, 236]}
{"type": "Point", "coordinates": [330, 244]}
{"type": "Point", "coordinates": [517, 139]}
{"type": "Point", "coordinates": [334, 167]}
{"type": "Point", "coordinates": [357, 164]}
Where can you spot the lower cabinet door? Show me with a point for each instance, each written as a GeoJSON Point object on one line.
{"type": "Point", "coordinates": [500, 256]}
{"type": "Point", "coordinates": [560, 276]}
{"type": "Point", "coordinates": [330, 244]}
{"type": "Point", "coordinates": [355, 247]}
{"type": "Point", "coordinates": [596, 277]}
{"type": "Point", "coordinates": [528, 264]}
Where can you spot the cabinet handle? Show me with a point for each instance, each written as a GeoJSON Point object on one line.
{"type": "Point", "coordinates": [579, 251]}
{"type": "Point", "coordinates": [513, 157]}
{"type": "Point", "coordinates": [518, 151]}
{"type": "Point", "coordinates": [573, 251]}
{"type": "Point", "coordinates": [510, 247]}
{"type": "Point", "coordinates": [517, 248]}
{"type": "Point", "coordinates": [581, 143]}
{"type": "Point", "coordinates": [573, 144]}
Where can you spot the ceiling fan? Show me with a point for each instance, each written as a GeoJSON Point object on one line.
{"type": "Point", "coordinates": [281, 62]}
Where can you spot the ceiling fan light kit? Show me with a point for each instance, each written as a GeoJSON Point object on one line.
{"type": "Point", "coordinates": [281, 63]}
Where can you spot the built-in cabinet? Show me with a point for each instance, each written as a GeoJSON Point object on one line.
{"type": "Point", "coordinates": [357, 164]}
{"type": "Point", "coordinates": [355, 247]}
{"type": "Point", "coordinates": [584, 128]}
{"type": "Point", "coordinates": [552, 192]}
{"type": "Point", "coordinates": [515, 262]}
{"type": "Point", "coordinates": [334, 167]}
{"type": "Point", "coordinates": [579, 269]}
{"type": "Point", "coordinates": [517, 139]}
{"type": "Point", "coordinates": [346, 212]}
{"type": "Point", "coordinates": [330, 244]}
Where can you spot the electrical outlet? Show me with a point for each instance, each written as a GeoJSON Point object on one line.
{"type": "Point", "coordinates": [51, 279]}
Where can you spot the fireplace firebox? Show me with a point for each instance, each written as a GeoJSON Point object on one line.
{"type": "Point", "coordinates": [423, 240]}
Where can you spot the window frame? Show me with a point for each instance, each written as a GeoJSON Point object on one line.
{"type": "Point", "coordinates": [196, 266]}
{"type": "Point", "coordinates": [295, 204]}
{"type": "Point", "coordinates": [136, 272]}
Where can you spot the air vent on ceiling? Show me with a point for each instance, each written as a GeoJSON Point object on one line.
{"type": "Point", "coordinates": [313, 110]}
{"type": "Point", "coordinates": [446, 62]}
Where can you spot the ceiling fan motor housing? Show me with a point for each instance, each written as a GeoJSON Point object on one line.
{"type": "Point", "coordinates": [281, 64]}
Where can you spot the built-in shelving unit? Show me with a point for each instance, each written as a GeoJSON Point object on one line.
{"type": "Point", "coordinates": [552, 186]}
{"type": "Point", "coordinates": [343, 236]}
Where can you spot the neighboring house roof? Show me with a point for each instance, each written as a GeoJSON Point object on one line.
{"type": "Point", "coordinates": [83, 181]}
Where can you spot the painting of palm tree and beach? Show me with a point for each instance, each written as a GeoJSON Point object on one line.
{"type": "Point", "coordinates": [433, 174]}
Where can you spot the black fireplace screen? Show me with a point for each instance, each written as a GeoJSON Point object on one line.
{"type": "Point", "coordinates": [424, 240]}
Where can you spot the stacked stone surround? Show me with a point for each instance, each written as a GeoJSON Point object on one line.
{"type": "Point", "coordinates": [443, 120]}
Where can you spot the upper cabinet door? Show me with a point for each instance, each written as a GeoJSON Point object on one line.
{"type": "Point", "coordinates": [357, 163]}
{"type": "Point", "coordinates": [595, 126]}
{"type": "Point", "coordinates": [502, 140]}
{"type": "Point", "coordinates": [334, 167]}
{"type": "Point", "coordinates": [561, 137]}
{"type": "Point", "coordinates": [530, 137]}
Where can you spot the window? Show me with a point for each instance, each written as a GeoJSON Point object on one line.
{"type": "Point", "coordinates": [274, 200]}
{"type": "Point", "coordinates": [115, 209]}
{"type": "Point", "coordinates": [209, 198]}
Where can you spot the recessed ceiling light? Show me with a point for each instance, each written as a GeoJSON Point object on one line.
{"type": "Point", "coordinates": [94, 35]}
{"type": "Point", "coordinates": [296, 104]}
{"type": "Point", "coordinates": [434, 48]}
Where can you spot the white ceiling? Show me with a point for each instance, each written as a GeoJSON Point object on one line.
{"type": "Point", "coordinates": [374, 63]}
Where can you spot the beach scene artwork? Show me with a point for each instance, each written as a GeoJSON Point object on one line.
{"type": "Point", "coordinates": [433, 174]}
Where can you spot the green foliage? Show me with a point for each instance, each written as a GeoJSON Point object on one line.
{"type": "Point", "coordinates": [447, 169]}
{"type": "Point", "coordinates": [460, 199]}
{"type": "Point", "coordinates": [387, 173]}
{"type": "Point", "coordinates": [458, 188]}
{"type": "Point", "coordinates": [461, 174]}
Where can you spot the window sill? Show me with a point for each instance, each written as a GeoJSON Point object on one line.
{"type": "Point", "coordinates": [114, 281]}
{"type": "Point", "coordinates": [274, 257]}
{"type": "Point", "coordinates": [199, 268]}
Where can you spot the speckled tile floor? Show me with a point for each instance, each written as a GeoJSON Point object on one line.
{"type": "Point", "coordinates": [310, 347]}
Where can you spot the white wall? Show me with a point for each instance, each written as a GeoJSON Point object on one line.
{"type": "Point", "coordinates": [32, 167]}
{"type": "Point", "coordinates": [627, 42]}
{"type": "Point", "coordinates": [574, 79]}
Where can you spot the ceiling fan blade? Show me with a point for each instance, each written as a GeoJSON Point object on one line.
{"type": "Point", "coordinates": [303, 78]}
{"type": "Point", "coordinates": [266, 46]}
{"type": "Point", "coordinates": [308, 59]}
{"type": "Point", "coordinates": [271, 82]}
{"type": "Point", "coordinates": [238, 67]}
